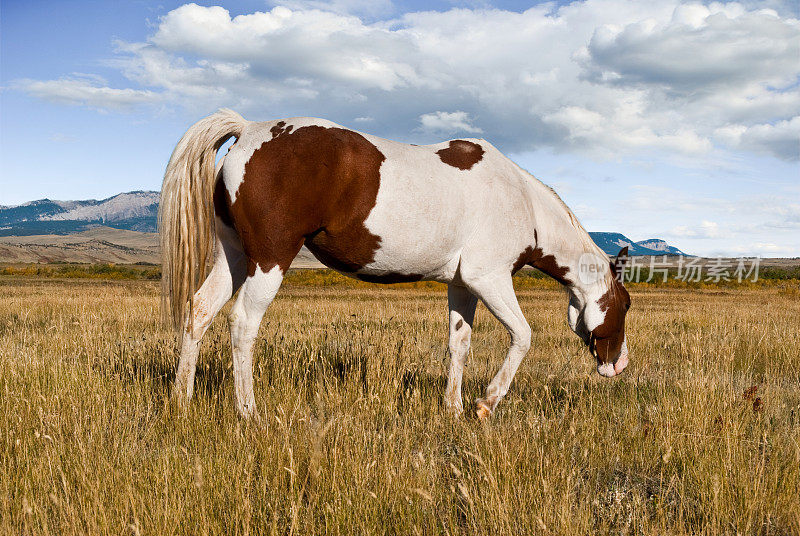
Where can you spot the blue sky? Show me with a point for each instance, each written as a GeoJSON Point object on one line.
{"type": "Point", "coordinates": [654, 119]}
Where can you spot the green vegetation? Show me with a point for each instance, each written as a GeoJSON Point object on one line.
{"type": "Point", "coordinates": [84, 271]}
{"type": "Point", "coordinates": [770, 276]}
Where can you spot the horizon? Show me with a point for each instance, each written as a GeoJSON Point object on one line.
{"type": "Point", "coordinates": [641, 115]}
{"type": "Point", "coordinates": [27, 203]}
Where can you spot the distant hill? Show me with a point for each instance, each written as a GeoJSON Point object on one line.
{"type": "Point", "coordinates": [656, 244]}
{"type": "Point", "coordinates": [137, 211]}
{"type": "Point", "coordinates": [97, 245]}
{"type": "Point", "coordinates": [611, 243]}
{"type": "Point", "coordinates": [132, 211]}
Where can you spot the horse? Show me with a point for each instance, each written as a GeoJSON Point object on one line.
{"type": "Point", "coordinates": [458, 212]}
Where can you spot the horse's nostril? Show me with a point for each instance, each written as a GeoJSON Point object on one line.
{"type": "Point", "coordinates": [621, 363]}
{"type": "Point", "coordinates": [622, 360]}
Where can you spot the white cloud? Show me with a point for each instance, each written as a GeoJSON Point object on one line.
{"type": "Point", "coordinates": [317, 46]}
{"type": "Point", "coordinates": [699, 49]}
{"type": "Point", "coordinates": [770, 248]}
{"type": "Point", "coordinates": [624, 130]}
{"type": "Point", "coordinates": [371, 8]}
{"type": "Point", "coordinates": [447, 122]}
{"type": "Point", "coordinates": [781, 139]}
{"type": "Point", "coordinates": [714, 223]}
{"type": "Point", "coordinates": [606, 77]}
{"type": "Point", "coordinates": [784, 215]}
{"type": "Point", "coordinates": [79, 91]}
{"type": "Point", "coordinates": [706, 229]}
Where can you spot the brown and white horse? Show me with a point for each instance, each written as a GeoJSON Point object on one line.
{"type": "Point", "coordinates": [458, 212]}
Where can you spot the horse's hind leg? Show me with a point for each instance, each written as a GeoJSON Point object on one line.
{"type": "Point", "coordinates": [226, 276]}
{"type": "Point", "coordinates": [462, 312]}
{"type": "Point", "coordinates": [497, 293]}
{"type": "Point", "coordinates": [257, 293]}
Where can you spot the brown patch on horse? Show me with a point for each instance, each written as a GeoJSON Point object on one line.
{"type": "Point", "coordinates": [459, 324]}
{"type": "Point", "coordinates": [524, 258]}
{"type": "Point", "coordinates": [280, 128]}
{"type": "Point", "coordinates": [461, 154]}
{"type": "Point", "coordinates": [546, 263]}
{"type": "Point", "coordinates": [315, 185]}
{"type": "Point", "coordinates": [608, 337]}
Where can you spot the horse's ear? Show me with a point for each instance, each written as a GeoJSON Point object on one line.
{"type": "Point", "coordinates": [619, 263]}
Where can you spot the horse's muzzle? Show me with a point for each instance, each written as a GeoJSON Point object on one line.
{"type": "Point", "coordinates": [611, 369]}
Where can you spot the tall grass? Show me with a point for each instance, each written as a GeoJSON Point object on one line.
{"type": "Point", "coordinates": [700, 435]}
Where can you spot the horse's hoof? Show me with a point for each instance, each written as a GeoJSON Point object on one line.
{"type": "Point", "coordinates": [455, 412]}
{"type": "Point", "coordinates": [179, 401]}
{"type": "Point", "coordinates": [454, 408]}
{"type": "Point", "coordinates": [482, 410]}
{"type": "Point", "coordinates": [249, 413]}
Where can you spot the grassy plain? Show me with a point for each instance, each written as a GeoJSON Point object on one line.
{"type": "Point", "coordinates": [700, 435]}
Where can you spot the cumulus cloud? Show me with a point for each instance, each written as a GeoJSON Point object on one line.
{"type": "Point", "coordinates": [781, 139]}
{"type": "Point", "coordinates": [372, 8]}
{"type": "Point", "coordinates": [447, 122]}
{"type": "Point", "coordinates": [699, 49]}
{"type": "Point", "coordinates": [626, 130]}
{"type": "Point", "coordinates": [310, 46]}
{"type": "Point", "coordinates": [605, 77]}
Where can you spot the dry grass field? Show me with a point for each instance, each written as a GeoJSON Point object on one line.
{"type": "Point", "coordinates": [699, 436]}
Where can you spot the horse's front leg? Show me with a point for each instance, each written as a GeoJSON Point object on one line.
{"type": "Point", "coordinates": [461, 303]}
{"type": "Point", "coordinates": [497, 293]}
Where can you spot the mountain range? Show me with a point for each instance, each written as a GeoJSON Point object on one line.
{"type": "Point", "coordinates": [132, 211]}
{"type": "Point", "coordinates": [611, 243]}
{"type": "Point", "coordinates": [137, 211]}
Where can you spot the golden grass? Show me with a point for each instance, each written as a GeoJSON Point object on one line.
{"type": "Point", "coordinates": [354, 439]}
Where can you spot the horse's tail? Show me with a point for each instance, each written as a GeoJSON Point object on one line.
{"type": "Point", "coordinates": [186, 211]}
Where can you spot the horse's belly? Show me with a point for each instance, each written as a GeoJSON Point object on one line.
{"type": "Point", "coordinates": [390, 260]}
{"type": "Point", "coordinates": [438, 262]}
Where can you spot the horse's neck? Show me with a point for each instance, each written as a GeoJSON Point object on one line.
{"type": "Point", "coordinates": [565, 244]}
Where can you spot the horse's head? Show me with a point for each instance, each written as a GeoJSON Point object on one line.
{"type": "Point", "coordinates": [599, 319]}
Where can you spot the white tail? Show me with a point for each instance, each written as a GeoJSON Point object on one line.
{"type": "Point", "coordinates": [186, 211]}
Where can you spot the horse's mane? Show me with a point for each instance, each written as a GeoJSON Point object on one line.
{"type": "Point", "coordinates": [583, 235]}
